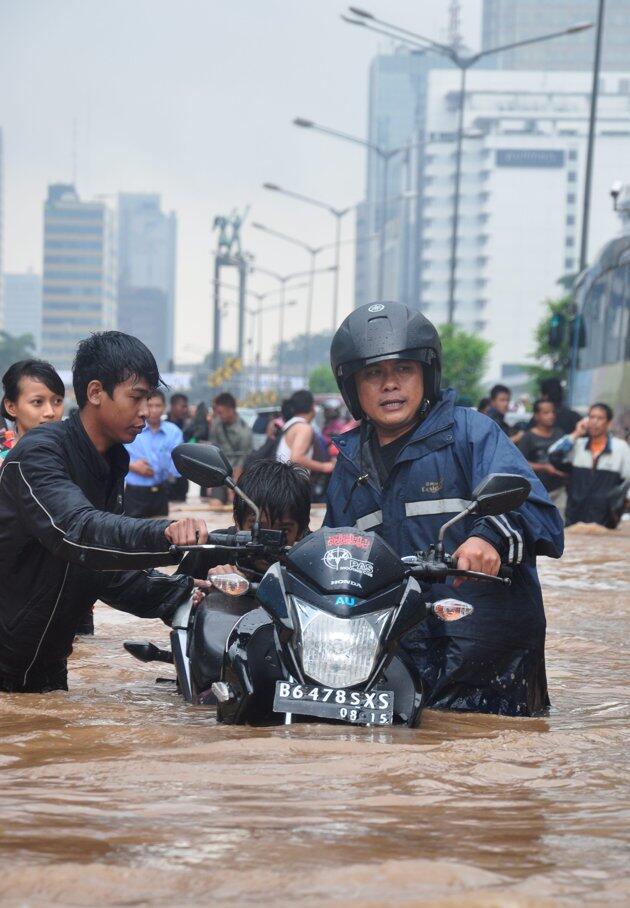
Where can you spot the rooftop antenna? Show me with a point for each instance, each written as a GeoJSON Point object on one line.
{"type": "Point", "coordinates": [454, 25]}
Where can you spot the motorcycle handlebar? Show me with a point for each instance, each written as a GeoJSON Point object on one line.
{"type": "Point", "coordinates": [241, 541]}
{"type": "Point", "coordinates": [438, 571]}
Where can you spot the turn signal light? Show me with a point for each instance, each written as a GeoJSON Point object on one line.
{"type": "Point", "coordinates": [230, 584]}
{"type": "Point", "coordinates": [451, 609]}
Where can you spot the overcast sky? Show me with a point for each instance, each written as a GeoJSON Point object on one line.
{"type": "Point", "coordinates": [194, 99]}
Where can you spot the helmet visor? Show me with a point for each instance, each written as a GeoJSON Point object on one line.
{"type": "Point", "coordinates": [424, 355]}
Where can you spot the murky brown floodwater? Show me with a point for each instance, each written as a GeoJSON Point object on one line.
{"type": "Point", "coordinates": [118, 793]}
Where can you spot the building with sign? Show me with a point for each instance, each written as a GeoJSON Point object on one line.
{"type": "Point", "coordinates": [521, 192]}
{"type": "Point", "coordinates": [526, 122]}
{"type": "Point", "coordinates": [79, 283]}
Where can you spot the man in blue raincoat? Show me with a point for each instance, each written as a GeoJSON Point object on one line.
{"type": "Point", "coordinates": [412, 465]}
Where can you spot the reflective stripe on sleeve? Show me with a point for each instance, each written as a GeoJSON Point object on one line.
{"type": "Point", "coordinates": [518, 539]}
{"type": "Point", "coordinates": [508, 535]}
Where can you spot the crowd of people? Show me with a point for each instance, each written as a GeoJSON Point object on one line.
{"type": "Point", "coordinates": [582, 465]}
{"type": "Point", "coordinates": [84, 501]}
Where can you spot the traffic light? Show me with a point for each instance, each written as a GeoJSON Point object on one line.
{"type": "Point", "coordinates": [224, 373]}
{"type": "Point", "coordinates": [557, 326]}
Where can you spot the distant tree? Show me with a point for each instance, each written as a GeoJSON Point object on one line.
{"type": "Point", "coordinates": [464, 362]}
{"type": "Point", "coordinates": [552, 361]}
{"type": "Point", "coordinates": [13, 349]}
{"type": "Point", "coordinates": [322, 381]}
{"type": "Point", "coordinates": [294, 349]}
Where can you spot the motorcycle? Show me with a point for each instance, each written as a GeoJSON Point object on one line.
{"type": "Point", "coordinates": [316, 636]}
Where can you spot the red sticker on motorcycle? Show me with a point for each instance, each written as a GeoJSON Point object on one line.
{"type": "Point", "coordinates": [352, 539]}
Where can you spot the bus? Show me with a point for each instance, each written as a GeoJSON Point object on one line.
{"type": "Point", "coordinates": [602, 298]}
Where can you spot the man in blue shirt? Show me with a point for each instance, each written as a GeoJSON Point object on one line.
{"type": "Point", "coordinates": [151, 466]}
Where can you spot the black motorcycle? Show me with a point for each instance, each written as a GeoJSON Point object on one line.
{"type": "Point", "coordinates": [317, 635]}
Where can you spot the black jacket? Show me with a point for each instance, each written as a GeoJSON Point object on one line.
{"type": "Point", "coordinates": [63, 543]}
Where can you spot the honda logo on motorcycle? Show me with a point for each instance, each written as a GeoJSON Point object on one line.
{"type": "Point", "coordinates": [340, 559]}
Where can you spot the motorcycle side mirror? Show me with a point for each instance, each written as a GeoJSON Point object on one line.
{"type": "Point", "coordinates": [208, 466]}
{"type": "Point", "coordinates": [205, 465]}
{"type": "Point", "coordinates": [496, 494]}
{"type": "Point", "coordinates": [500, 492]}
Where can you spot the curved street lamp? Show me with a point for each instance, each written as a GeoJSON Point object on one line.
{"type": "Point", "coordinates": [338, 214]}
{"type": "Point", "coordinates": [313, 251]}
{"type": "Point", "coordinates": [463, 62]}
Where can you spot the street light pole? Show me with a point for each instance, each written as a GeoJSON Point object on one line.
{"type": "Point", "coordinates": [590, 148]}
{"type": "Point", "coordinates": [283, 280]}
{"type": "Point", "coordinates": [457, 193]}
{"type": "Point", "coordinates": [338, 214]}
{"type": "Point", "coordinates": [335, 309]}
{"type": "Point", "coordinates": [385, 156]}
{"type": "Point", "coordinates": [313, 251]}
{"type": "Point", "coordinates": [463, 63]}
{"type": "Point", "coordinates": [262, 310]}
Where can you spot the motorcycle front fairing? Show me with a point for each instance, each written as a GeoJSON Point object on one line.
{"type": "Point", "coordinates": [347, 591]}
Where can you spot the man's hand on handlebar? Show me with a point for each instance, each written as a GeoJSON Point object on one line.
{"type": "Point", "coordinates": [475, 554]}
{"type": "Point", "coordinates": [189, 531]}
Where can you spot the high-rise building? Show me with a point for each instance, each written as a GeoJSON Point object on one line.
{"type": "Point", "coordinates": [79, 283]}
{"type": "Point", "coordinates": [522, 185]}
{"type": "Point", "coordinates": [521, 188]}
{"type": "Point", "coordinates": [507, 21]}
{"type": "Point", "coordinates": [397, 92]}
{"type": "Point", "coordinates": [146, 273]}
{"type": "Point", "coordinates": [23, 306]}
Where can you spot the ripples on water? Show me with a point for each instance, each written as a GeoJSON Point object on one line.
{"type": "Point", "coordinates": [118, 793]}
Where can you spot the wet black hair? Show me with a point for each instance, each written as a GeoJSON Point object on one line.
{"type": "Point", "coordinates": [543, 400]}
{"type": "Point", "coordinates": [111, 357]}
{"type": "Point", "coordinates": [600, 406]}
{"type": "Point", "coordinates": [38, 369]}
{"type": "Point", "coordinates": [300, 402]}
{"type": "Point", "coordinates": [552, 388]}
{"type": "Point", "coordinates": [278, 489]}
{"type": "Point", "coordinates": [499, 389]}
{"type": "Point", "coordinates": [224, 399]}
{"type": "Point", "coordinates": [286, 409]}
{"type": "Point", "coordinates": [483, 403]}
{"type": "Point", "coordinates": [175, 398]}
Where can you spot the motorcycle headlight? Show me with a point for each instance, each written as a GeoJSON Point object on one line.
{"type": "Point", "coordinates": [338, 652]}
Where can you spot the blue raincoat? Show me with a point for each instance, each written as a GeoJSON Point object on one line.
{"type": "Point", "coordinates": [492, 660]}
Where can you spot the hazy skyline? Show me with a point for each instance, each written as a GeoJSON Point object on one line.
{"type": "Point", "coordinates": [194, 100]}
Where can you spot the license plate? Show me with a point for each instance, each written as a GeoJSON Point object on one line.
{"type": "Point", "coordinates": [356, 706]}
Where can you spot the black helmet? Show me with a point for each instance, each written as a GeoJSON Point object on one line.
{"type": "Point", "coordinates": [381, 331]}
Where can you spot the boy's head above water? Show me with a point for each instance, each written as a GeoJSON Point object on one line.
{"type": "Point", "coordinates": [282, 492]}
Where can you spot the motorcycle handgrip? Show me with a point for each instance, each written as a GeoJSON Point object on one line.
{"type": "Point", "coordinates": [236, 539]}
{"type": "Point", "coordinates": [506, 571]}
{"type": "Point", "coordinates": [225, 540]}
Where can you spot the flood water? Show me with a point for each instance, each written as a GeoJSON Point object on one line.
{"type": "Point", "coordinates": [117, 793]}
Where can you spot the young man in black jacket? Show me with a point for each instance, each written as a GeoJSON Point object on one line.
{"type": "Point", "coordinates": [63, 536]}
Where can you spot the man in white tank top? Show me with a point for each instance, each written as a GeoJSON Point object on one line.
{"type": "Point", "coordinates": [296, 442]}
